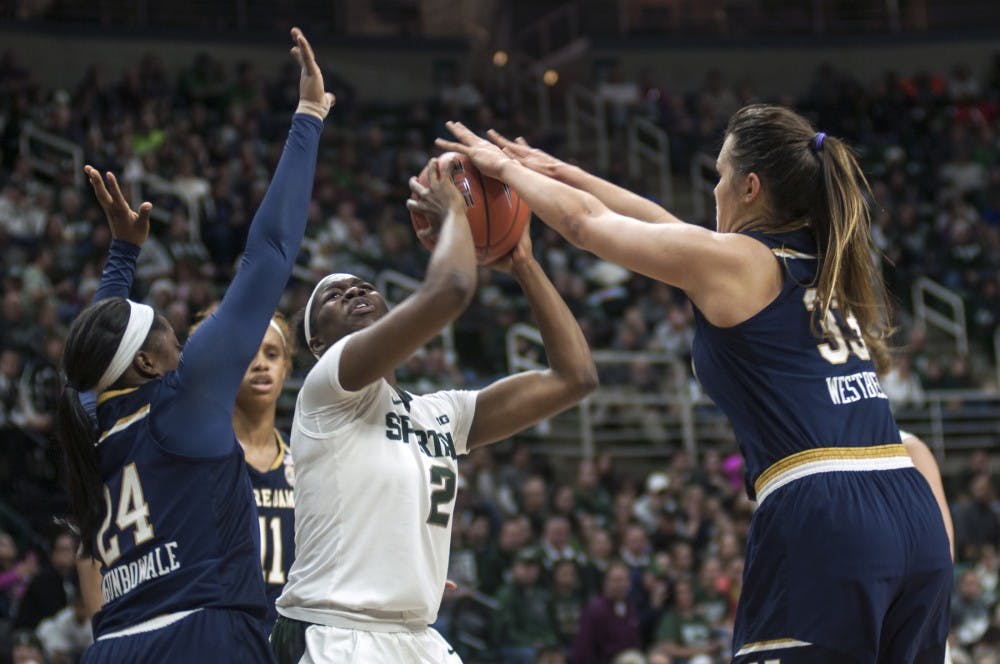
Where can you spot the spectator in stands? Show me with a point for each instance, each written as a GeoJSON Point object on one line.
{"type": "Point", "coordinates": [568, 599]}
{"type": "Point", "coordinates": [26, 648]}
{"type": "Point", "coordinates": [534, 502]}
{"type": "Point", "coordinates": [591, 497]}
{"type": "Point", "coordinates": [976, 519]}
{"type": "Point", "coordinates": [557, 543]}
{"type": "Point", "coordinates": [622, 95]}
{"type": "Point", "coordinates": [685, 633]}
{"type": "Point", "coordinates": [522, 623]}
{"type": "Point", "coordinates": [654, 502]}
{"type": "Point", "coordinates": [610, 622]}
{"type": "Point", "coordinates": [15, 575]}
{"type": "Point", "coordinates": [902, 385]}
{"type": "Point", "coordinates": [970, 615]}
{"type": "Point", "coordinates": [49, 590]}
{"type": "Point", "coordinates": [67, 633]}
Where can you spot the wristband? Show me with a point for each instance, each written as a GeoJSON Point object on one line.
{"type": "Point", "coordinates": [314, 108]}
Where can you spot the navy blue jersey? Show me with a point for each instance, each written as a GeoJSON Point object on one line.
{"type": "Point", "coordinates": [272, 491]}
{"type": "Point", "coordinates": [181, 530]}
{"type": "Point", "coordinates": [785, 389]}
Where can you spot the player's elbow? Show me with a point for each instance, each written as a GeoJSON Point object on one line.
{"type": "Point", "coordinates": [580, 382]}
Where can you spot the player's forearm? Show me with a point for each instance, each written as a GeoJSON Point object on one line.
{"type": "Point", "coordinates": [617, 198]}
{"type": "Point", "coordinates": [565, 346]}
{"type": "Point", "coordinates": [451, 271]}
{"type": "Point", "coordinates": [565, 209]}
{"type": "Point", "coordinates": [116, 278]}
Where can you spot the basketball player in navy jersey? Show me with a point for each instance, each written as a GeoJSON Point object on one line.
{"type": "Point", "coordinates": [160, 491]}
{"type": "Point", "coordinates": [847, 558]}
{"type": "Point", "coordinates": [269, 461]}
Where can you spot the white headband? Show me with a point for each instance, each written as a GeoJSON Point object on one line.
{"type": "Point", "coordinates": [277, 328]}
{"type": "Point", "coordinates": [322, 284]}
{"type": "Point", "coordinates": [140, 321]}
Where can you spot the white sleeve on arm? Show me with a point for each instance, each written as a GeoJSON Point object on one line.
{"type": "Point", "coordinates": [324, 404]}
{"type": "Point", "coordinates": [461, 406]}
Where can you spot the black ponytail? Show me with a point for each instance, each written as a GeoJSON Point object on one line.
{"type": "Point", "coordinates": [90, 346]}
{"type": "Point", "coordinates": [77, 435]}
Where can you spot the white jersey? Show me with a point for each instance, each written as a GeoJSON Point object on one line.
{"type": "Point", "coordinates": [375, 484]}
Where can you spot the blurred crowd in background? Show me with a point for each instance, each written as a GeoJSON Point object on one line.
{"type": "Point", "coordinates": [549, 564]}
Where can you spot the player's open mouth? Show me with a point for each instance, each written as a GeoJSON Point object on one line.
{"type": "Point", "coordinates": [361, 307]}
{"type": "Point", "coordinates": [261, 384]}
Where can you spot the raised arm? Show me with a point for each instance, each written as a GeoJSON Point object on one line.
{"type": "Point", "coordinates": [728, 276]}
{"type": "Point", "coordinates": [515, 403]}
{"type": "Point", "coordinates": [129, 230]}
{"type": "Point", "coordinates": [447, 288]}
{"type": "Point", "coordinates": [618, 199]}
{"type": "Point", "coordinates": [215, 358]}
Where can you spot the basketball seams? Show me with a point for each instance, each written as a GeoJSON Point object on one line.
{"type": "Point", "coordinates": [486, 208]}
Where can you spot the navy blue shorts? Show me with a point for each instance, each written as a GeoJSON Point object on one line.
{"type": "Point", "coordinates": [846, 567]}
{"type": "Point", "coordinates": [209, 635]}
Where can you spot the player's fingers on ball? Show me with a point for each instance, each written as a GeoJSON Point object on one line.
{"type": "Point", "coordinates": [433, 172]}
{"type": "Point", "coordinates": [416, 187]}
{"type": "Point", "coordinates": [498, 138]}
{"type": "Point", "coordinates": [445, 144]}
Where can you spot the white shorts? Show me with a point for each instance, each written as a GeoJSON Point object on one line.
{"type": "Point", "coordinates": [325, 643]}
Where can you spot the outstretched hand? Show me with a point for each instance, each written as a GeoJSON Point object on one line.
{"type": "Point", "coordinates": [533, 158]}
{"type": "Point", "coordinates": [485, 156]}
{"type": "Point", "coordinates": [311, 88]}
{"type": "Point", "coordinates": [126, 224]}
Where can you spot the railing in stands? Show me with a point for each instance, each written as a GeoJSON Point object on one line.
{"type": "Point", "coordinates": [653, 423]}
{"type": "Point", "coordinates": [936, 305]}
{"type": "Point", "coordinates": [618, 411]}
{"type": "Point", "coordinates": [586, 120]}
{"type": "Point", "coordinates": [703, 178]}
{"type": "Point", "coordinates": [650, 145]}
{"type": "Point", "coordinates": [50, 154]}
{"type": "Point", "coordinates": [149, 187]}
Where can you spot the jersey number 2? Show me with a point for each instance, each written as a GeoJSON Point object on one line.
{"type": "Point", "coordinates": [443, 496]}
{"type": "Point", "coordinates": [837, 347]}
{"type": "Point", "coordinates": [133, 511]}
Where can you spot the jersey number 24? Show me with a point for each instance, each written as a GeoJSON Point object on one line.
{"type": "Point", "coordinates": [132, 512]}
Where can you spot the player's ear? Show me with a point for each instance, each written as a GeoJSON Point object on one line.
{"type": "Point", "coordinates": [146, 366]}
{"type": "Point", "coordinates": [751, 187]}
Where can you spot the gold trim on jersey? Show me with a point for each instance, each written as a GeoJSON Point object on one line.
{"type": "Point", "coordinates": [772, 644]}
{"type": "Point", "coordinates": [785, 252]}
{"type": "Point", "coordinates": [111, 394]}
{"type": "Point", "coordinates": [282, 451]}
{"type": "Point", "coordinates": [125, 422]}
{"type": "Point", "coordinates": [830, 459]}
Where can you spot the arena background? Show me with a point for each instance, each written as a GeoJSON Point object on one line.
{"type": "Point", "coordinates": [189, 100]}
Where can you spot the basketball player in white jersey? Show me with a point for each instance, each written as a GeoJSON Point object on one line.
{"type": "Point", "coordinates": [375, 467]}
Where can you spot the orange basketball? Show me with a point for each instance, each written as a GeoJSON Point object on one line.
{"type": "Point", "coordinates": [496, 213]}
